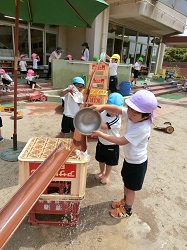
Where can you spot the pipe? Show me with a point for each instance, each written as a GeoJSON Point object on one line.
{"type": "Point", "coordinates": [13, 213]}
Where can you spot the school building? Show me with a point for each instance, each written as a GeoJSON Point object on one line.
{"type": "Point", "coordinates": [131, 28]}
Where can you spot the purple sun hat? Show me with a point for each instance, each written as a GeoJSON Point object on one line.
{"type": "Point", "coordinates": [143, 101]}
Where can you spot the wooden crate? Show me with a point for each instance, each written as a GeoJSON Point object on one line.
{"type": "Point", "coordinates": [100, 79]}
{"type": "Point", "coordinates": [98, 96]}
{"type": "Point", "coordinates": [74, 170]}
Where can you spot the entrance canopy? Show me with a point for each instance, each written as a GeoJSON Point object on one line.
{"type": "Point", "coordinates": [151, 17]}
{"type": "Point", "coordinates": [175, 41]}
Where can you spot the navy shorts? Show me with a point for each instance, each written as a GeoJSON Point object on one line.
{"type": "Point", "coordinates": [67, 124]}
{"type": "Point", "coordinates": [113, 82]}
{"type": "Point", "coordinates": [109, 154]}
{"type": "Point", "coordinates": [136, 72]}
{"type": "Point", "coordinates": [1, 124]}
{"type": "Point", "coordinates": [133, 175]}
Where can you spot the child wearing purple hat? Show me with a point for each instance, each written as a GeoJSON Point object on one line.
{"type": "Point", "coordinates": [139, 115]}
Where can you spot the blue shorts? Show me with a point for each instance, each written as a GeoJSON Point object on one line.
{"type": "Point", "coordinates": [133, 175]}
{"type": "Point", "coordinates": [67, 124]}
{"type": "Point", "coordinates": [109, 154]}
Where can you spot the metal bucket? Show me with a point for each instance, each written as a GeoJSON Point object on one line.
{"type": "Point", "coordinates": [86, 120]}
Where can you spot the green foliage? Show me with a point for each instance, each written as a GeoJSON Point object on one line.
{"type": "Point", "coordinates": [175, 55]}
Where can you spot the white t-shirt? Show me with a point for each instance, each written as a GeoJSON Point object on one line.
{"type": "Point", "coordinates": [7, 77]}
{"type": "Point", "coordinates": [86, 54]}
{"type": "Point", "coordinates": [35, 63]}
{"type": "Point", "coordinates": [137, 66]}
{"type": "Point", "coordinates": [30, 78]}
{"type": "Point", "coordinates": [138, 135]}
{"type": "Point", "coordinates": [114, 125]}
{"type": "Point", "coordinates": [113, 68]}
{"type": "Point", "coordinates": [54, 55]}
{"type": "Point", "coordinates": [23, 65]}
{"type": "Point", "coordinates": [71, 107]}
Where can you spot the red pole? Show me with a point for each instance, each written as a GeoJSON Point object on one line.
{"type": "Point", "coordinates": [13, 213]}
{"type": "Point", "coordinates": [17, 2]}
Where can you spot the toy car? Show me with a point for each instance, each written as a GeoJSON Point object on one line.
{"type": "Point", "coordinates": [37, 96]}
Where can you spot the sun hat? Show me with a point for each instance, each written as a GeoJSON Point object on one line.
{"type": "Point", "coordinates": [140, 59]}
{"type": "Point", "coordinates": [30, 72]}
{"type": "Point", "coordinates": [79, 80]}
{"type": "Point", "coordinates": [143, 101]}
{"type": "Point", "coordinates": [115, 99]}
{"type": "Point", "coordinates": [69, 57]}
{"type": "Point", "coordinates": [83, 58]}
{"type": "Point", "coordinates": [2, 71]}
{"type": "Point", "coordinates": [34, 55]}
{"type": "Point", "coordinates": [117, 57]}
{"type": "Point", "coordinates": [22, 56]}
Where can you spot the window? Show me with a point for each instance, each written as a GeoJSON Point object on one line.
{"type": "Point", "coordinates": [37, 43]}
{"type": "Point", "coordinates": [6, 43]}
{"type": "Point", "coordinates": [50, 42]}
{"type": "Point", "coordinates": [142, 38]}
{"type": "Point", "coordinates": [130, 34]}
{"type": "Point", "coordinates": [23, 45]}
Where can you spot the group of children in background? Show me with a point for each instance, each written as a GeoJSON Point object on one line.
{"type": "Point", "coordinates": [30, 75]}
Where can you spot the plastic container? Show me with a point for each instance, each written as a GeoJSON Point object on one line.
{"type": "Point", "coordinates": [125, 88]}
{"type": "Point", "coordinates": [74, 171]}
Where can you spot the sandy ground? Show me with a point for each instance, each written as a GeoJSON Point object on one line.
{"type": "Point", "coordinates": [159, 218]}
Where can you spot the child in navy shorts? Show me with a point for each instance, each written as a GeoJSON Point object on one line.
{"type": "Point", "coordinates": [107, 153]}
{"type": "Point", "coordinates": [139, 114]}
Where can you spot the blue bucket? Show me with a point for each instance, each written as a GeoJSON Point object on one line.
{"type": "Point", "coordinates": [125, 88]}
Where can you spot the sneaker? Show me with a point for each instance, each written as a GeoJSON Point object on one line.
{"type": "Point", "coordinates": [121, 212]}
{"type": "Point", "coordinates": [7, 90]}
{"type": "Point", "coordinates": [4, 90]}
{"type": "Point", "coordinates": [117, 204]}
{"type": "Point", "coordinates": [1, 139]}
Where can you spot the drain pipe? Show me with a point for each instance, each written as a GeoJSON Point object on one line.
{"type": "Point", "coordinates": [24, 199]}
{"type": "Point", "coordinates": [104, 30]}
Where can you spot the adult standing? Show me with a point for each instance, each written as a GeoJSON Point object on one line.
{"type": "Point", "coordinates": [85, 51]}
{"type": "Point", "coordinates": [54, 55]}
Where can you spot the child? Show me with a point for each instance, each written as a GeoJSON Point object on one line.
{"type": "Point", "coordinates": [137, 68]}
{"type": "Point", "coordinates": [1, 124]}
{"type": "Point", "coordinates": [113, 65]}
{"type": "Point", "coordinates": [85, 52]}
{"type": "Point", "coordinates": [35, 60]}
{"type": "Point", "coordinates": [107, 153]}
{"type": "Point", "coordinates": [139, 114]}
{"type": "Point", "coordinates": [23, 66]}
{"type": "Point", "coordinates": [6, 79]}
{"type": "Point", "coordinates": [73, 99]}
{"type": "Point", "coordinates": [31, 79]}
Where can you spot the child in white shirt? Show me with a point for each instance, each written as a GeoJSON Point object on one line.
{"type": "Point", "coordinates": [6, 79]}
{"type": "Point", "coordinates": [73, 99]}
{"type": "Point", "coordinates": [23, 66]}
{"type": "Point", "coordinates": [31, 79]}
{"type": "Point", "coordinates": [107, 153]}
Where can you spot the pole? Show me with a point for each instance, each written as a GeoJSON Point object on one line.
{"type": "Point", "coordinates": [17, 2]}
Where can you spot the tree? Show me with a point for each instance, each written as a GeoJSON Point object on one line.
{"type": "Point", "coordinates": [175, 55]}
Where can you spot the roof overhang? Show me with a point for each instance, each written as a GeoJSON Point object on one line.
{"type": "Point", "coordinates": [175, 41]}
{"type": "Point", "coordinates": [148, 16]}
